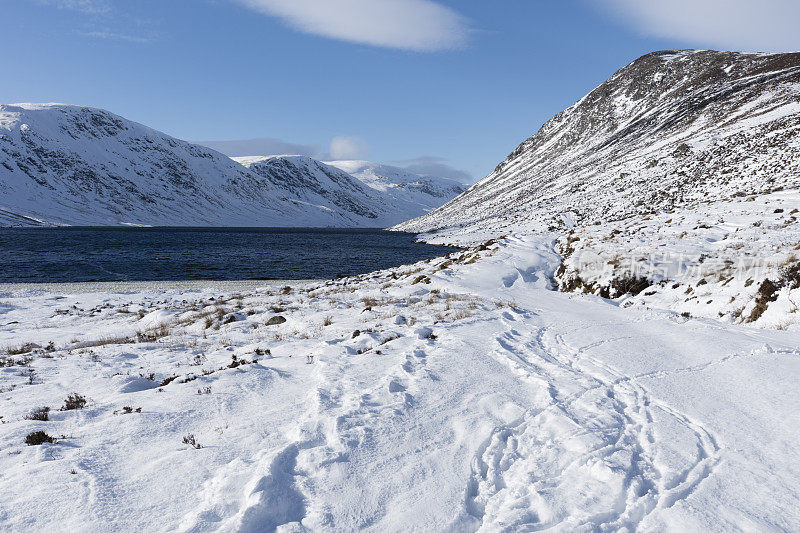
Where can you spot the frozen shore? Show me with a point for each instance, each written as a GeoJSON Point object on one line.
{"type": "Point", "coordinates": [122, 287]}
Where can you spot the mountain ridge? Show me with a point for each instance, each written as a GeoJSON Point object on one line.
{"type": "Point", "coordinates": [673, 185]}
{"type": "Point", "coordinates": [73, 165]}
{"type": "Point", "coordinates": [638, 132]}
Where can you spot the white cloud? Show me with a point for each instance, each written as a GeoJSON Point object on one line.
{"type": "Point", "coordinates": [750, 25]}
{"type": "Point", "coordinates": [345, 147]}
{"type": "Point", "coordinates": [85, 6]}
{"type": "Point", "coordinates": [421, 25]}
{"type": "Point", "coordinates": [267, 146]}
{"type": "Point", "coordinates": [435, 166]}
{"type": "Point", "coordinates": [108, 34]}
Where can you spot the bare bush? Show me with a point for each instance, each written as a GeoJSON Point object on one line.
{"type": "Point", "coordinates": [74, 401]}
{"type": "Point", "coordinates": [191, 441]}
{"type": "Point", "coordinates": [38, 438]}
{"type": "Point", "coordinates": [42, 414]}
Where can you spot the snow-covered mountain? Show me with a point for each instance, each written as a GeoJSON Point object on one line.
{"type": "Point", "coordinates": [308, 182]}
{"type": "Point", "coordinates": [419, 194]}
{"type": "Point", "coordinates": [675, 182]}
{"type": "Point", "coordinates": [675, 128]}
{"type": "Point", "coordinates": [77, 165]}
{"type": "Point", "coordinates": [62, 164]}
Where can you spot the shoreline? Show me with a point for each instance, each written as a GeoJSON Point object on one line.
{"type": "Point", "coordinates": [83, 287]}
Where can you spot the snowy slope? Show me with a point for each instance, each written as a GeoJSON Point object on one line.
{"type": "Point", "coordinates": [62, 164]}
{"type": "Point", "coordinates": [671, 129]}
{"type": "Point", "coordinates": [306, 180]}
{"type": "Point", "coordinates": [417, 194]}
{"type": "Point", "coordinates": [677, 180]}
{"type": "Point", "coordinates": [458, 394]}
{"type": "Point", "coordinates": [77, 165]}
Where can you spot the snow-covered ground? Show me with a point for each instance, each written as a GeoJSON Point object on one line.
{"type": "Point", "coordinates": [456, 394]}
{"type": "Point", "coordinates": [710, 261]}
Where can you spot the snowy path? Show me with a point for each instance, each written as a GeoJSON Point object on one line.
{"type": "Point", "coordinates": [480, 401]}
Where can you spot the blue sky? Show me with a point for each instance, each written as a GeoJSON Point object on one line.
{"type": "Point", "coordinates": [451, 86]}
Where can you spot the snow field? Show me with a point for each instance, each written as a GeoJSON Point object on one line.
{"type": "Point", "coordinates": [455, 394]}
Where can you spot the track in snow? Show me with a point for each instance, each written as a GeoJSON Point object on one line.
{"type": "Point", "coordinates": [591, 457]}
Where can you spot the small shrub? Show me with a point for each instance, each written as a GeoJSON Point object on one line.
{"type": "Point", "coordinates": [629, 284]}
{"type": "Point", "coordinates": [191, 441]}
{"type": "Point", "coordinates": [106, 341]}
{"type": "Point", "coordinates": [767, 293]}
{"type": "Point", "coordinates": [153, 334]}
{"type": "Point", "coordinates": [28, 347]}
{"type": "Point", "coordinates": [571, 284]}
{"type": "Point", "coordinates": [74, 401]}
{"type": "Point", "coordinates": [790, 276]}
{"type": "Point", "coordinates": [42, 414]}
{"type": "Point", "coordinates": [168, 380]}
{"type": "Point", "coordinates": [327, 321]}
{"type": "Point", "coordinates": [38, 438]}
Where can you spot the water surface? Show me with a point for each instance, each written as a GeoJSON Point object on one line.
{"type": "Point", "coordinates": [65, 255]}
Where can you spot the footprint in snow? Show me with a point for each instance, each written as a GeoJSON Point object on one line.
{"type": "Point", "coordinates": [396, 386]}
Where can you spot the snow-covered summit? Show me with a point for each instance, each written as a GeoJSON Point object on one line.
{"type": "Point", "coordinates": [386, 177]}
{"type": "Point", "coordinates": [415, 193]}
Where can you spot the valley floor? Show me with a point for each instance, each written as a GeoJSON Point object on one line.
{"type": "Point", "coordinates": [456, 394]}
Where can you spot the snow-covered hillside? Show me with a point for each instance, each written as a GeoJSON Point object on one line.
{"type": "Point", "coordinates": [76, 165]}
{"type": "Point", "coordinates": [666, 176]}
{"type": "Point", "coordinates": [62, 164]}
{"type": "Point", "coordinates": [458, 394]}
{"type": "Point", "coordinates": [383, 195]}
{"type": "Point", "coordinates": [671, 129]}
{"type": "Point", "coordinates": [306, 181]}
{"type": "Point", "coordinates": [417, 194]}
